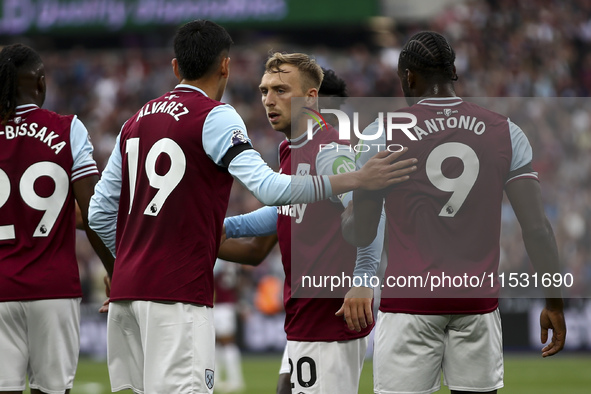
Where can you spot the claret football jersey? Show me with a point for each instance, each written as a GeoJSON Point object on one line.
{"type": "Point", "coordinates": [173, 200]}
{"type": "Point", "coordinates": [311, 244]}
{"type": "Point", "coordinates": [445, 221]}
{"type": "Point", "coordinates": [41, 155]}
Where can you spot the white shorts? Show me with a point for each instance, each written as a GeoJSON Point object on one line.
{"type": "Point", "coordinates": [411, 351]}
{"type": "Point", "coordinates": [161, 348]}
{"type": "Point", "coordinates": [326, 367]}
{"type": "Point", "coordinates": [224, 318]}
{"type": "Point", "coordinates": [284, 368]}
{"type": "Point", "coordinates": [42, 339]}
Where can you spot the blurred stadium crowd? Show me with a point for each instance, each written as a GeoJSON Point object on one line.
{"type": "Point", "coordinates": [504, 48]}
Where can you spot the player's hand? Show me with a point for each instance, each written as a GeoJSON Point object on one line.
{"type": "Point", "coordinates": [105, 307]}
{"type": "Point", "coordinates": [384, 170]}
{"type": "Point", "coordinates": [553, 319]}
{"type": "Point", "coordinates": [357, 308]}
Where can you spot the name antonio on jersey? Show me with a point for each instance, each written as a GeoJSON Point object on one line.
{"type": "Point", "coordinates": [295, 211]}
{"type": "Point", "coordinates": [435, 125]}
{"type": "Point", "coordinates": [32, 130]}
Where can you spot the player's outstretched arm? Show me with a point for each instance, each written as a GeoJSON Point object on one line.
{"type": "Point", "coordinates": [381, 171]}
{"type": "Point", "coordinates": [83, 191]}
{"type": "Point", "coordinates": [272, 188]}
{"type": "Point", "coordinates": [249, 251]}
{"type": "Point", "coordinates": [538, 237]}
{"type": "Point", "coordinates": [260, 224]}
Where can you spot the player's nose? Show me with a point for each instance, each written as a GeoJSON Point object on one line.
{"type": "Point", "coordinates": [269, 100]}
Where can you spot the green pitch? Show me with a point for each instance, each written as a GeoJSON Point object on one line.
{"type": "Point", "coordinates": [563, 374]}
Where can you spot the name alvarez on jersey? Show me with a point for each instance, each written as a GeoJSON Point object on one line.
{"type": "Point", "coordinates": [172, 108]}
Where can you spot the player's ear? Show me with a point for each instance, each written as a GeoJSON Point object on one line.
{"type": "Point", "coordinates": [225, 67]}
{"type": "Point", "coordinates": [41, 89]}
{"type": "Point", "coordinates": [41, 85]}
{"type": "Point", "coordinates": [175, 69]}
{"type": "Point", "coordinates": [311, 97]}
{"type": "Point", "coordinates": [410, 78]}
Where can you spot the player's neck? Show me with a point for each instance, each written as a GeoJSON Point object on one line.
{"type": "Point", "coordinates": [295, 130]}
{"type": "Point", "coordinates": [293, 134]}
{"type": "Point", "coordinates": [209, 86]}
{"type": "Point", "coordinates": [438, 90]}
{"type": "Point", "coordinates": [22, 99]}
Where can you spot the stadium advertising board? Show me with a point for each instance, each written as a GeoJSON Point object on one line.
{"type": "Point", "coordinates": [39, 16]}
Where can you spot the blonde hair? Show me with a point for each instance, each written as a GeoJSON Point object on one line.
{"type": "Point", "coordinates": [311, 72]}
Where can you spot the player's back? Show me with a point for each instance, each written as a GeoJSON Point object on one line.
{"type": "Point", "coordinates": [173, 200]}
{"type": "Point", "coordinates": [37, 233]}
{"type": "Point", "coordinates": [446, 219]}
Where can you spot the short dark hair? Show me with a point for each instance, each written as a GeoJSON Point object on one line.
{"type": "Point", "coordinates": [429, 54]}
{"type": "Point", "coordinates": [14, 59]}
{"type": "Point", "coordinates": [334, 87]}
{"type": "Point", "coordinates": [198, 47]}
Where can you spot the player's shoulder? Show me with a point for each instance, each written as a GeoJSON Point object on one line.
{"type": "Point", "coordinates": [61, 124]}
{"type": "Point", "coordinates": [52, 115]}
{"type": "Point", "coordinates": [329, 135]}
{"type": "Point", "coordinates": [487, 111]}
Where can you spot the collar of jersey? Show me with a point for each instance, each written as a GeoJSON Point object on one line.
{"type": "Point", "coordinates": [24, 108]}
{"type": "Point", "coordinates": [441, 101]}
{"type": "Point", "coordinates": [183, 87]}
{"type": "Point", "coordinates": [302, 139]}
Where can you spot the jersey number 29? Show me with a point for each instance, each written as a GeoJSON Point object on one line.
{"type": "Point", "coordinates": [51, 205]}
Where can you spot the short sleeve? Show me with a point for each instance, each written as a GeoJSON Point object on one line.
{"type": "Point", "coordinates": [521, 158]}
{"type": "Point", "coordinates": [223, 129]}
{"type": "Point", "coordinates": [84, 164]}
{"type": "Point", "coordinates": [522, 152]}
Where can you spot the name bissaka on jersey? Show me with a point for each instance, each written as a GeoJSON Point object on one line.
{"type": "Point", "coordinates": [32, 130]}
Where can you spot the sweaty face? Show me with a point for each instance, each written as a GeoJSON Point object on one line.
{"type": "Point", "coordinates": [277, 89]}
